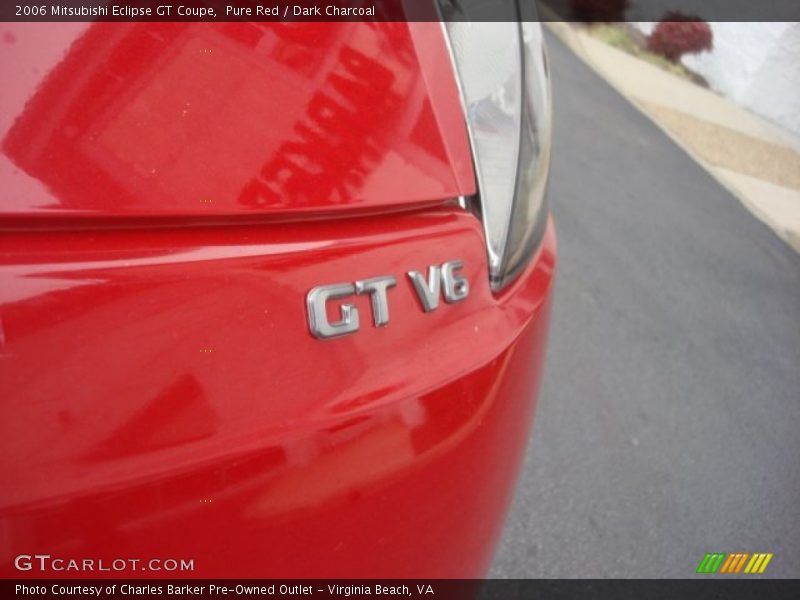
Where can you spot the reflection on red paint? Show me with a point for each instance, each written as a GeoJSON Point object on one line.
{"type": "Point", "coordinates": [267, 118]}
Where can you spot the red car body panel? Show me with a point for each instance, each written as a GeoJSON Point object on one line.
{"type": "Point", "coordinates": [160, 393]}
{"type": "Point", "coordinates": [204, 120]}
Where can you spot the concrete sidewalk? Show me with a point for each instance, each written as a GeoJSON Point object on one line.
{"type": "Point", "coordinates": [758, 162]}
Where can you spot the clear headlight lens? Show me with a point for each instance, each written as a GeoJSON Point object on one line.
{"type": "Point", "coordinates": [505, 87]}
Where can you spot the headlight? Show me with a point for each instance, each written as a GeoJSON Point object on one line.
{"type": "Point", "coordinates": [502, 72]}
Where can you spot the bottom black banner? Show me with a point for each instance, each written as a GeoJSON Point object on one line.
{"type": "Point", "coordinates": [490, 589]}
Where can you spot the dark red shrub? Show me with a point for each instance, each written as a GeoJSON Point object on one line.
{"type": "Point", "coordinates": [602, 11]}
{"type": "Point", "coordinates": [679, 34]}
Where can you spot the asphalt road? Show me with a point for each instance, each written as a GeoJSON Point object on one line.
{"type": "Point", "coordinates": [668, 423]}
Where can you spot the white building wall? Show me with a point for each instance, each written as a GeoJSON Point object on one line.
{"type": "Point", "coordinates": [757, 65]}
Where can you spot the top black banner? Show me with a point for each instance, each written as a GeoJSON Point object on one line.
{"type": "Point", "coordinates": [399, 10]}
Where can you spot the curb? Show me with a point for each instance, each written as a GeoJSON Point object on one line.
{"type": "Point", "coordinates": [569, 37]}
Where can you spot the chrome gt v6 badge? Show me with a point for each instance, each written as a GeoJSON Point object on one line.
{"type": "Point", "coordinates": [442, 281]}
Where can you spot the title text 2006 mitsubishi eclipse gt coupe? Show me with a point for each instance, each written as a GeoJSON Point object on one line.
{"type": "Point", "coordinates": [274, 296]}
